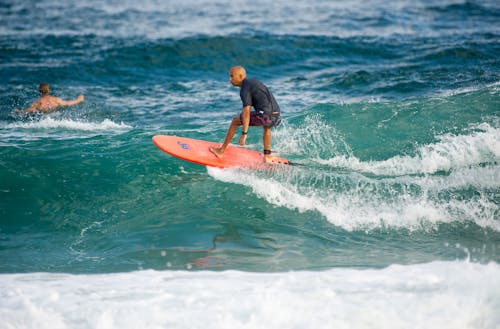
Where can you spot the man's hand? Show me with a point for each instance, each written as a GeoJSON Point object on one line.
{"type": "Point", "coordinates": [243, 139]}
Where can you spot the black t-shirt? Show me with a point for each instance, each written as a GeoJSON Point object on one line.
{"type": "Point", "coordinates": [255, 93]}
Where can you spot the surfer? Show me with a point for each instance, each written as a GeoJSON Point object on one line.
{"type": "Point", "coordinates": [48, 103]}
{"type": "Point", "coordinates": [253, 93]}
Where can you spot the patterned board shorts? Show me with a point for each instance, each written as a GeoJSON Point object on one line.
{"type": "Point", "coordinates": [257, 119]}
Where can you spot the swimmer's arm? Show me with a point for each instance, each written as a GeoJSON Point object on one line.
{"type": "Point", "coordinates": [78, 100]}
{"type": "Point", "coordinates": [33, 107]}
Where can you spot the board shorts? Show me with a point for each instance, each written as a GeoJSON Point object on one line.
{"type": "Point", "coordinates": [265, 120]}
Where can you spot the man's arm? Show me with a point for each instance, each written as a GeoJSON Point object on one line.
{"type": "Point", "coordinates": [245, 115]}
{"type": "Point", "coordinates": [62, 102]}
{"type": "Point", "coordinates": [33, 107]}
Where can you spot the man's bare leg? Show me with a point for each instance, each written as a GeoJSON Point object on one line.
{"type": "Point", "coordinates": [219, 151]}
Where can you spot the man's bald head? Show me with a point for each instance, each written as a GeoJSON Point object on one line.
{"type": "Point", "coordinates": [236, 75]}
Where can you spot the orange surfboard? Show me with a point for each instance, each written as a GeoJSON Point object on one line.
{"type": "Point", "coordinates": [197, 151]}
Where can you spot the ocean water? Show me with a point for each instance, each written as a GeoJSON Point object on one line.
{"type": "Point", "coordinates": [390, 217]}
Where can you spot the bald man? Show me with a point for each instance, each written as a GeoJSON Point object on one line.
{"type": "Point", "coordinates": [253, 93]}
{"type": "Point", "coordinates": [48, 103]}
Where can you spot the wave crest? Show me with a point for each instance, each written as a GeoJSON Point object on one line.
{"type": "Point", "coordinates": [51, 123]}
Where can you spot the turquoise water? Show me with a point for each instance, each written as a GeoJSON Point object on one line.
{"type": "Point", "coordinates": [390, 113]}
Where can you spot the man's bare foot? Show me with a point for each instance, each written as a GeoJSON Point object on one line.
{"type": "Point", "coordinates": [268, 158]}
{"type": "Point", "coordinates": [216, 151]}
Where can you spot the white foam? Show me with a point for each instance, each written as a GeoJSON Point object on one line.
{"type": "Point", "coordinates": [314, 138]}
{"type": "Point", "coordinates": [357, 202]}
{"type": "Point", "coordinates": [434, 295]}
{"type": "Point", "coordinates": [50, 123]}
{"type": "Point", "coordinates": [49, 127]}
{"type": "Point", "coordinates": [449, 153]}
{"type": "Point", "coordinates": [406, 191]}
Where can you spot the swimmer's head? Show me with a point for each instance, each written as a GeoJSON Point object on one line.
{"type": "Point", "coordinates": [44, 88]}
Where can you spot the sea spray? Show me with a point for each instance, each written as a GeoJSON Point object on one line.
{"type": "Point", "coordinates": [405, 191]}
